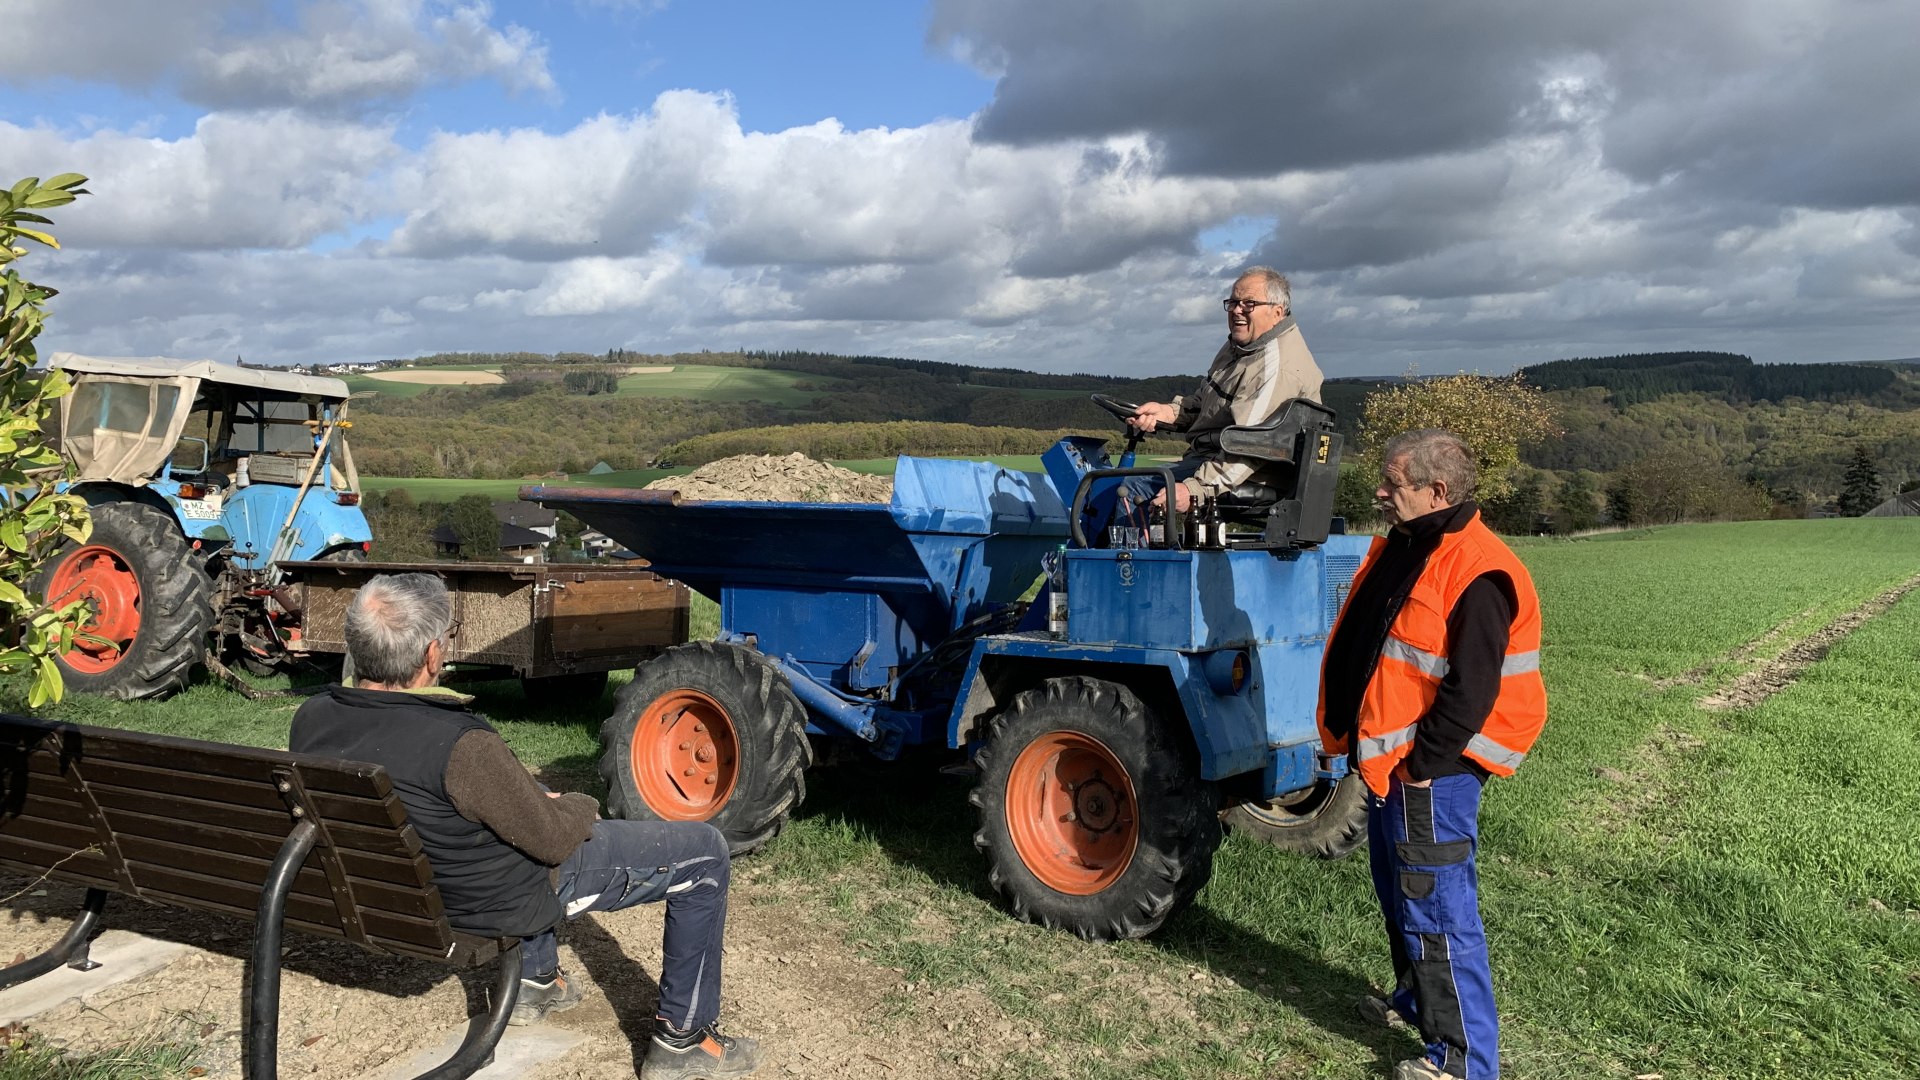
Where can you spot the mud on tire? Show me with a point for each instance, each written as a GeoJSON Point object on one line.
{"type": "Point", "coordinates": [707, 731]}
{"type": "Point", "coordinates": [1092, 813]}
{"type": "Point", "coordinates": [1327, 821]}
{"type": "Point", "coordinates": [155, 603]}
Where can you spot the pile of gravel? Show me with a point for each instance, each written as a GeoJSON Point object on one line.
{"type": "Point", "coordinates": [767, 478]}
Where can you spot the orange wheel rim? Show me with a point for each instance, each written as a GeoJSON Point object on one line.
{"type": "Point", "coordinates": [685, 756]}
{"type": "Point", "coordinates": [1072, 813]}
{"type": "Point", "coordinates": [102, 577]}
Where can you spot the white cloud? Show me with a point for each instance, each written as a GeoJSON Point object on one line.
{"type": "Point", "coordinates": [1565, 210]}
{"type": "Point", "coordinates": [332, 55]}
{"type": "Point", "coordinates": [275, 179]}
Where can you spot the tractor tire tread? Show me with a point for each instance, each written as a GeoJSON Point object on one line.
{"type": "Point", "coordinates": [769, 705]}
{"type": "Point", "coordinates": [1174, 856]}
{"type": "Point", "coordinates": [176, 604]}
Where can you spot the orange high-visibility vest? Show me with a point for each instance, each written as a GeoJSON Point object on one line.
{"type": "Point", "coordinates": [1413, 661]}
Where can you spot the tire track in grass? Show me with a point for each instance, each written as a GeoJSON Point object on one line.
{"type": "Point", "coordinates": [1782, 671]}
{"type": "Point", "coordinates": [1740, 654]}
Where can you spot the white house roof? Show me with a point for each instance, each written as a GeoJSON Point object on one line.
{"type": "Point", "coordinates": [285, 382]}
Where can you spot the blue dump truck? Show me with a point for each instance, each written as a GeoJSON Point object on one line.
{"type": "Point", "coordinates": [1111, 735]}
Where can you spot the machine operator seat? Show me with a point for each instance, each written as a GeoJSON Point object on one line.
{"type": "Point", "coordinates": [1290, 496]}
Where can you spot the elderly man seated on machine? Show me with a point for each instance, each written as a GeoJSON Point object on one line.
{"type": "Point", "coordinates": [1263, 365]}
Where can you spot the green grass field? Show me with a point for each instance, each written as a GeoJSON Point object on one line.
{"type": "Point", "coordinates": [698, 381]}
{"type": "Point", "coordinates": [1730, 895]}
{"type": "Point", "coordinates": [447, 489]}
{"type": "Point", "coordinates": [884, 466]}
{"type": "Point", "coordinates": [704, 383]}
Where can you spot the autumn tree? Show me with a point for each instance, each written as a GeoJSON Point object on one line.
{"type": "Point", "coordinates": [1496, 417]}
{"type": "Point", "coordinates": [35, 516]}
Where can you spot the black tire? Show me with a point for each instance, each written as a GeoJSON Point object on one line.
{"type": "Point", "coordinates": [170, 595]}
{"type": "Point", "coordinates": [1176, 813]}
{"type": "Point", "coordinates": [771, 754]}
{"type": "Point", "coordinates": [1327, 821]}
{"type": "Point", "coordinates": [578, 688]}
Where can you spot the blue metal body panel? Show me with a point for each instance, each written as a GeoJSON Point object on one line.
{"type": "Point", "coordinates": [849, 596]}
{"type": "Point", "coordinates": [861, 606]}
{"type": "Point", "coordinates": [1174, 610]}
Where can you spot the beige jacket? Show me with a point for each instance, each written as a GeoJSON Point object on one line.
{"type": "Point", "coordinates": [1246, 385]}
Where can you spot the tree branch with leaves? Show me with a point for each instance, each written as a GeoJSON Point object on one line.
{"type": "Point", "coordinates": [36, 516]}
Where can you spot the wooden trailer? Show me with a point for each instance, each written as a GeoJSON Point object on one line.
{"type": "Point", "coordinates": [559, 626]}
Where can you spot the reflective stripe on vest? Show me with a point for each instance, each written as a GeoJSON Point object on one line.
{"type": "Point", "coordinates": [1495, 754]}
{"type": "Point", "coordinates": [1381, 744]}
{"type": "Point", "coordinates": [1437, 666]}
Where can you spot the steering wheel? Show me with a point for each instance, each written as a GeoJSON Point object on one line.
{"type": "Point", "coordinates": [1122, 410]}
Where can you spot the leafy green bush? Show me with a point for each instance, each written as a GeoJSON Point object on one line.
{"type": "Point", "coordinates": [34, 517]}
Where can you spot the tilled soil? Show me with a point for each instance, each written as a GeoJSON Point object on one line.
{"type": "Point", "coordinates": [818, 1009]}
{"type": "Point", "coordinates": [770, 478]}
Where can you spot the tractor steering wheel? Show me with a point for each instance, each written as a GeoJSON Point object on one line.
{"type": "Point", "coordinates": [1122, 410]}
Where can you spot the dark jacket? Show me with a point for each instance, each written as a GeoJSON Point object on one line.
{"type": "Point", "coordinates": [487, 885]}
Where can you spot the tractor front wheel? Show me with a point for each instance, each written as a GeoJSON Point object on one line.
{"type": "Point", "coordinates": [711, 732]}
{"type": "Point", "coordinates": [1092, 814]}
{"type": "Point", "coordinates": [1327, 820]}
{"type": "Point", "coordinates": [151, 603]}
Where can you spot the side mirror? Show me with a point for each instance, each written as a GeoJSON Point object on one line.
{"type": "Point", "coordinates": [183, 459]}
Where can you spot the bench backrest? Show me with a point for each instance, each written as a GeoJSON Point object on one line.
{"type": "Point", "coordinates": [197, 824]}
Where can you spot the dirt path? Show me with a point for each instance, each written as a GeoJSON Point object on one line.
{"type": "Point", "coordinates": [1784, 670]}
{"type": "Point", "coordinates": [819, 1010]}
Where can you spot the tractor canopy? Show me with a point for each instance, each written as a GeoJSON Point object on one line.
{"type": "Point", "coordinates": [126, 415]}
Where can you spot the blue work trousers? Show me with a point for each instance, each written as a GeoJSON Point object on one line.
{"type": "Point", "coordinates": [1421, 842]}
{"type": "Point", "coordinates": [625, 863]}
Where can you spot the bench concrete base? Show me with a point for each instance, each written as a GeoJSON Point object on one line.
{"type": "Point", "coordinates": [520, 1053]}
{"type": "Point", "coordinates": [121, 955]}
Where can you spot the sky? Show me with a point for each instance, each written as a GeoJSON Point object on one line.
{"type": "Point", "coordinates": [1056, 185]}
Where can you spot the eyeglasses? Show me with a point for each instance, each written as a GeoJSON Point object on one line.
{"type": "Point", "coordinates": [1230, 304]}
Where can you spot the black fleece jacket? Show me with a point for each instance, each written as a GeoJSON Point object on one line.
{"type": "Point", "coordinates": [1477, 631]}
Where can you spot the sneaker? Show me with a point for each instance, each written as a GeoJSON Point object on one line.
{"type": "Point", "coordinates": [708, 1056]}
{"type": "Point", "coordinates": [1420, 1069]}
{"type": "Point", "coordinates": [1380, 1012]}
{"type": "Point", "coordinates": [537, 999]}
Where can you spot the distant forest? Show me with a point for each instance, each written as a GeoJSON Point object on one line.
{"type": "Point", "coordinates": [1788, 428]}
{"type": "Point", "coordinates": [1639, 377]}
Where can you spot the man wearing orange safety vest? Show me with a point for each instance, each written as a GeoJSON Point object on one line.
{"type": "Point", "coordinates": [1431, 685]}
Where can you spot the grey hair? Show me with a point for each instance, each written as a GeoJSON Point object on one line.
{"type": "Point", "coordinates": [390, 623]}
{"type": "Point", "coordinates": [1279, 290]}
{"type": "Point", "coordinates": [1435, 454]}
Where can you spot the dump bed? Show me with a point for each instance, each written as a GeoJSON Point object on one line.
{"type": "Point", "coordinates": [851, 594]}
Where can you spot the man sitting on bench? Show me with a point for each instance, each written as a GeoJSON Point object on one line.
{"type": "Point", "coordinates": [512, 859]}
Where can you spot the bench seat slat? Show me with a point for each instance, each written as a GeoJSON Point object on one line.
{"type": "Point", "coordinates": [400, 899]}
{"type": "Point", "coordinates": [149, 811]}
{"type": "Point", "coordinates": [44, 806]}
{"type": "Point", "coordinates": [35, 858]}
{"type": "Point", "coordinates": [258, 845]}
{"type": "Point", "coordinates": [65, 835]}
{"type": "Point", "coordinates": [222, 759]}
{"type": "Point", "coordinates": [259, 794]}
{"type": "Point", "coordinates": [177, 884]}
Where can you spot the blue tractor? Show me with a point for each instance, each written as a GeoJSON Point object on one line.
{"type": "Point", "coordinates": [1111, 734]}
{"type": "Point", "coordinates": [202, 478]}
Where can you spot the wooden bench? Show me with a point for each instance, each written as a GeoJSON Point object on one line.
{"type": "Point", "coordinates": [315, 843]}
